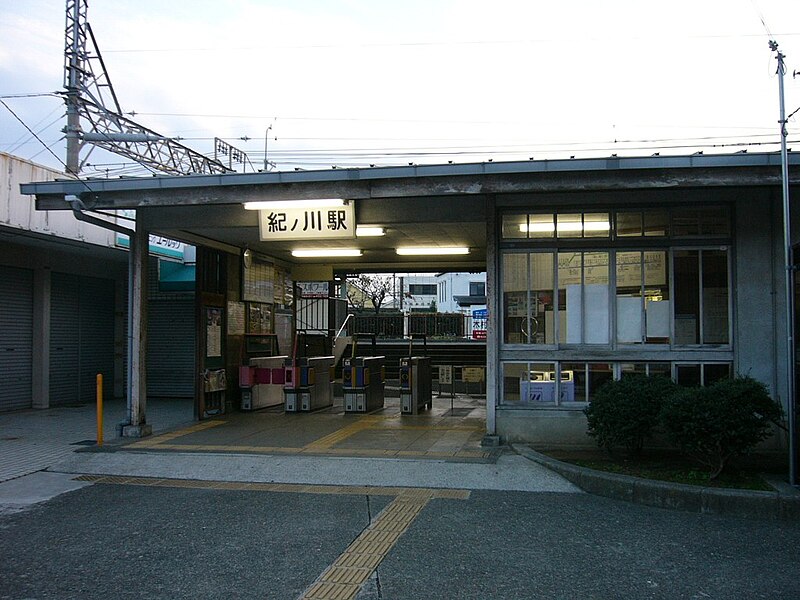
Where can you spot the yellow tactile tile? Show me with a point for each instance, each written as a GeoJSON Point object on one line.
{"type": "Point", "coordinates": [359, 561]}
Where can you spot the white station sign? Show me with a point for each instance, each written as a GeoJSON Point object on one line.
{"type": "Point", "coordinates": [307, 223]}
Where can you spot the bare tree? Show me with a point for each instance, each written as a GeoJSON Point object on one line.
{"type": "Point", "coordinates": [369, 290]}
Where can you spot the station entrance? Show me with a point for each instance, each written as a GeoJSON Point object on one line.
{"type": "Point", "coordinates": [326, 379]}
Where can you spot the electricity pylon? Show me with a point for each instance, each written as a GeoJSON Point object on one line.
{"type": "Point", "coordinates": [95, 118]}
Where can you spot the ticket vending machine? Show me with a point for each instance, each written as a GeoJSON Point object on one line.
{"type": "Point", "coordinates": [363, 380]}
{"type": "Point", "coordinates": [308, 383]}
{"type": "Point", "coordinates": [416, 389]}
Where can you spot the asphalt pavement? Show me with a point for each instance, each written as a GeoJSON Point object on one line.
{"type": "Point", "coordinates": [128, 523]}
{"type": "Point", "coordinates": [131, 540]}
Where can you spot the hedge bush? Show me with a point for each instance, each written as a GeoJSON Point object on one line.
{"type": "Point", "coordinates": [715, 423]}
{"type": "Point", "coordinates": [625, 412]}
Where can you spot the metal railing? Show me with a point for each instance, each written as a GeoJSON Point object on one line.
{"type": "Point", "coordinates": [435, 326]}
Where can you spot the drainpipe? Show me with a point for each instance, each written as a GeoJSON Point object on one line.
{"type": "Point", "coordinates": [78, 207]}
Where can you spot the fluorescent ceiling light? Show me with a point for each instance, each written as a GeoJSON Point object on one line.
{"type": "Point", "coordinates": [421, 251]}
{"type": "Point", "coordinates": [326, 252]}
{"type": "Point", "coordinates": [283, 204]}
{"type": "Point", "coordinates": [363, 231]}
{"type": "Point", "coordinates": [568, 226]}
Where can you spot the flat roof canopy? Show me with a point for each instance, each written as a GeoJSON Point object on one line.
{"type": "Point", "coordinates": [425, 205]}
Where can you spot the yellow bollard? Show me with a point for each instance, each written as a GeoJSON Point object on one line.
{"type": "Point", "coordinates": [99, 409]}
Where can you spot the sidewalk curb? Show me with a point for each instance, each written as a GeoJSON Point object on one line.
{"type": "Point", "coordinates": [774, 506]}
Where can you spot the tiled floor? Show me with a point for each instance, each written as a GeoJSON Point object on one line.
{"type": "Point", "coordinates": [32, 440]}
{"type": "Point", "coordinates": [451, 430]}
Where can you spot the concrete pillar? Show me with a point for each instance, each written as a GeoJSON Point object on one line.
{"type": "Point", "coordinates": [492, 324]}
{"type": "Point", "coordinates": [120, 343]}
{"type": "Point", "coordinates": [137, 329]}
{"type": "Point", "coordinates": [41, 338]}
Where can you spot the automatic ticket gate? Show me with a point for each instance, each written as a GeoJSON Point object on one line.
{"type": "Point", "coordinates": [308, 383]}
{"type": "Point", "coordinates": [416, 387]}
{"type": "Point", "coordinates": [262, 382]}
{"type": "Point", "coordinates": [363, 380]}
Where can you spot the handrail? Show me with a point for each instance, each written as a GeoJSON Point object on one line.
{"type": "Point", "coordinates": [338, 333]}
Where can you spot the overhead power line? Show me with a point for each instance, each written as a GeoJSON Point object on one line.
{"type": "Point", "coordinates": [430, 44]}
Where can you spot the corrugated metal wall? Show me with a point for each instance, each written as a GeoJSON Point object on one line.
{"type": "Point", "coordinates": [170, 348]}
{"type": "Point", "coordinates": [16, 338]}
{"type": "Point", "coordinates": [81, 338]}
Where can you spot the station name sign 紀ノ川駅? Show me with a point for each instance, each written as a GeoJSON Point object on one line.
{"type": "Point", "coordinates": [307, 223]}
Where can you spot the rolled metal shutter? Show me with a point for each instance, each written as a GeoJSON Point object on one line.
{"type": "Point", "coordinates": [16, 338]}
{"type": "Point", "coordinates": [81, 338]}
{"type": "Point", "coordinates": [170, 348]}
{"type": "Point", "coordinates": [64, 338]}
{"type": "Point", "coordinates": [97, 337]}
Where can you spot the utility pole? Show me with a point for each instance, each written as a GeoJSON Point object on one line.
{"type": "Point", "coordinates": [789, 277]}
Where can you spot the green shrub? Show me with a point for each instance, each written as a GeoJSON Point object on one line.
{"type": "Point", "coordinates": [624, 413]}
{"type": "Point", "coordinates": [715, 423]}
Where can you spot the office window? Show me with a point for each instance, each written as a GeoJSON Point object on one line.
{"type": "Point", "coordinates": [477, 288]}
{"type": "Point", "coordinates": [583, 296]}
{"type": "Point", "coordinates": [642, 299]}
{"type": "Point", "coordinates": [638, 223]}
{"type": "Point", "coordinates": [580, 381]}
{"type": "Point", "coordinates": [529, 384]}
{"type": "Point", "coordinates": [707, 221]}
{"type": "Point", "coordinates": [701, 297]}
{"type": "Point", "coordinates": [528, 303]}
{"type": "Point", "coordinates": [697, 374]}
{"type": "Point", "coordinates": [422, 289]}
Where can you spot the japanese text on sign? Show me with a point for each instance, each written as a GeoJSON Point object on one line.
{"type": "Point", "coordinates": [479, 320]}
{"type": "Point", "coordinates": [307, 223]}
{"type": "Point", "coordinates": [313, 289]}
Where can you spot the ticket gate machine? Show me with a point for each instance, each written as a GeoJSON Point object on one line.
{"type": "Point", "coordinates": [363, 379]}
{"type": "Point", "coordinates": [261, 382]}
{"type": "Point", "coordinates": [416, 388]}
{"type": "Point", "coordinates": [308, 383]}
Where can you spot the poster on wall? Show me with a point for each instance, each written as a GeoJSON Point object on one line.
{"type": "Point", "coordinates": [235, 318]}
{"type": "Point", "coordinates": [213, 332]}
{"type": "Point", "coordinates": [259, 318]}
{"type": "Point", "coordinates": [258, 281]}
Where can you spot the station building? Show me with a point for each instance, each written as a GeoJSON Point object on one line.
{"type": "Point", "coordinates": [594, 267]}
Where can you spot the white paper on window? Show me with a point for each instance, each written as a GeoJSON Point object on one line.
{"type": "Point", "coordinates": [596, 311]}
{"type": "Point", "coordinates": [657, 318]}
{"type": "Point", "coordinates": [629, 319]}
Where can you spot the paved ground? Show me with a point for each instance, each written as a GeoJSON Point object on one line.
{"type": "Point", "coordinates": [452, 429]}
{"type": "Point", "coordinates": [139, 521]}
{"type": "Point", "coordinates": [157, 538]}
{"type": "Point", "coordinates": [32, 440]}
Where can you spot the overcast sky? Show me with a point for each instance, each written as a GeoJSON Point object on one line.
{"type": "Point", "coordinates": [359, 82]}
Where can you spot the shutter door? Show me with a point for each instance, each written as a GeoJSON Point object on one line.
{"type": "Point", "coordinates": [81, 338]}
{"type": "Point", "coordinates": [64, 339]}
{"type": "Point", "coordinates": [170, 348]}
{"type": "Point", "coordinates": [97, 337]}
{"type": "Point", "coordinates": [16, 338]}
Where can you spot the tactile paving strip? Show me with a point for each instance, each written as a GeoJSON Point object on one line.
{"type": "Point", "coordinates": [344, 578]}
